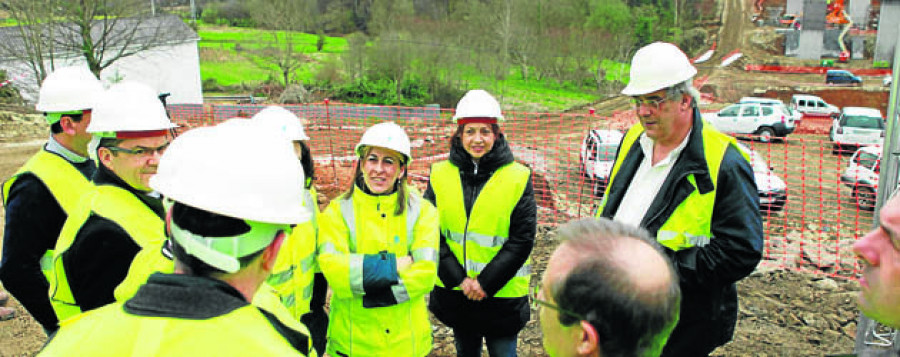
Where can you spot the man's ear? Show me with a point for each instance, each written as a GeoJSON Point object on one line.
{"type": "Point", "coordinates": [104, 155]}
{"type": "Point", "coordinates": [270, 254]}
{"type": "Point", "coordinates": [67, 125]}
{"type": "Point", "coordinates": [589, 344]}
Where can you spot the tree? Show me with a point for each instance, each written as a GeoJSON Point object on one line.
{"type": "Point", "coordinates": [283, 18]}
{"type": "Point", "coordinates": [100, 31]}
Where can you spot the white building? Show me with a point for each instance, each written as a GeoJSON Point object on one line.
{"type": "Point", "coordinates": [171, 64]}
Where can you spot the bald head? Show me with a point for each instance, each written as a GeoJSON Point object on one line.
{"type": "Point", "coordinates": [620, 281]}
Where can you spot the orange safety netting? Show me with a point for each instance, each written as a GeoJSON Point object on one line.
{"type": "Point", "coordinates": [812, 228]}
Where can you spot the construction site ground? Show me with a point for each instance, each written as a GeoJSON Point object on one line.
{"type": "Point", "coordinates": [794, 310]}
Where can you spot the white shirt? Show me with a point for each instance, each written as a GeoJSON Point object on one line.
{"type": "Point", "coordinates": [646, 182]}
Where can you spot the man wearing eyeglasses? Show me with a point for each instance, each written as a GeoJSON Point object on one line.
{"type": "Point", "coordinates": [122, 215]}
{"type": "Point", "coordinates": [40, 196]}
{"type": "Point", "coordinates": [693, 189]}
{"type": "Point", "coordinates": [608, 290]}
{"type": "Point", "coordinates": [879, 254]}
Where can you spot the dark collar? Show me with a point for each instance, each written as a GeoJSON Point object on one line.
{"type": "Point", "coordinates": [499, 156]}
{"type": "Point", "coordinates": [184, 296]}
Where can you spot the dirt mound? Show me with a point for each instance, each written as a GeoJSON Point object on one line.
{"type": "Point", "coordinates": [15, 126]}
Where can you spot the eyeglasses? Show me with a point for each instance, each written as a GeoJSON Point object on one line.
{"type": "Point", "coordinates": [535, 302]}
{"type": "Point", "coordinates": [650, 102]}
{"type": "Point", "coordinates": [140, 150]}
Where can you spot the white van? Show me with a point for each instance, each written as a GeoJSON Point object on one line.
{"type": "Point", "coordinates": [598, 153]}
{"type": "Point", "coordinates": [812, 105]}
{"type": "Point", "coordinates": [775, 102]}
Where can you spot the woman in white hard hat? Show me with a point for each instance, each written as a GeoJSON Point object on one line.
{"type": "Point", "coordinates": [378, 250]}
{"type": "Point", "coordinates": [488, 222]}
{"type": "Point", "coordinates": [296, 277]}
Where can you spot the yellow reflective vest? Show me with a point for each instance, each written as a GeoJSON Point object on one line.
{"type": "Point", "coordinates": [111, 331]}
{"type": "Point", "coordinates": [113, 203]}
{"type": "Point", "coordinates": [64, 182]}
{"type": "Point", "coordinates": [689, 224]}
{"type": "Point", "coordinates": [403, 329]}
{"type": "Point", "coordinates": [296, 266]}
{"type": "Point", "coordinates": [475, 239]}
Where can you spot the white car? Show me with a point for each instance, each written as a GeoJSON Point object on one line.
{"type": "Point", "coordinates": [886, 81]}
{"type": "Point", "coordinates": [861, 175]}
{"type": "Point", "coordinates": [798, 116]}
{"type": "Point", "coordinates": [772, 189]}
{"type": "Point", "coordinates": [598, 153]}
{"type": "Point", "coordinates": [762, 120]}
{"type": "Point", "coordinates": [813, 105]}
{"type": "Point", "coordinates": [857, 126]}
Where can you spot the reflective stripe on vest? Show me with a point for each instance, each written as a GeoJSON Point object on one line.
{"type": "Point", "coordinates": [476, 239]}
{"type": "Point", "coordinates": [144, 227]}
{"type": "Point", "coordinates": [689, 224]}
{"type": "Point", "coordinates": [413, 206]}
{"type": "Point", "coordinates": [64, 182]}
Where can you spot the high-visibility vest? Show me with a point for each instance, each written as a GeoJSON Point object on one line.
{"type": "Point", "coordinates": [111, 331]}
{"type": "Point", "coordinates": [144, 227]}
{"type": "Point", "coordinates": [689, 225]}
{"type": "Point", "coordinates": [366, 224]}
{"type": "Point", "coordinates": [64, 181]}
{"type": "Point", "coordinates": [476, 239]}
{"type": "Point", "coordinates": [292, 276]}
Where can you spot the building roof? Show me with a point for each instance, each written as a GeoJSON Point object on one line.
{"type": "Point", "coordinates": [149, 31]}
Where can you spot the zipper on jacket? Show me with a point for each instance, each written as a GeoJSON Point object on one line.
{"type": "Point", "coordinates": [466, 229]}
{"type": "Point", "coordinates": [669, 199]}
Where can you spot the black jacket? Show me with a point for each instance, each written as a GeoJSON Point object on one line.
{"type": "Point", "coordinates": [707, 274]}
{"type": "Point", "coordinates": [491, 316]}
{"type": "Point", "coordinates": [102, 251]}
{"type": "Point", "coordinates": [33, 221]}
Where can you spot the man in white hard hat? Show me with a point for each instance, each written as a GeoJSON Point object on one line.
{"type": "Point", "coordinates": [44, 191]}
{"type": "Point", "coordinates": [608, 290]}
{"type": "Point", "coordinates": [693, 189]}
{"type": "Point", "coordinates": [122, 215]}
{"type": "Point", "coordinates": [229, 208]}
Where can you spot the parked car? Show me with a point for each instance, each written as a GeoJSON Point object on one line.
{"type": "Point", "coordinates": [775, 102]}
{"type": "Point", "coordinates": [763, 120]}
{"type": "Point", "coordinates": [840, 76]}
{"type": "Point", "coordinates": [886, 81]}
{"type": "Point", "coordinates": [598, 153]}
{"type": "Point", "coordinates": [812, 105]}
{"type": "Point", "coordinates": [857, 126]}
{"type": "Point", "coordinates": [861, 175]}
{"type": "Point", "coordinates": [772, 189]}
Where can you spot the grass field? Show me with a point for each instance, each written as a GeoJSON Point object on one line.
{"type": "Point", "coordinates": [226, 55]}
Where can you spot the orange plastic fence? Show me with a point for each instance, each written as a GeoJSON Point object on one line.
{"type": "Point", "coordinates": [812, 228]}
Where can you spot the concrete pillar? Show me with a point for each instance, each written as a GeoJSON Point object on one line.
{"type": "Point", "coordinates": [888, 31]}
{"type": "Point", "coordinates": [794, 7]}
{"type": "Point", "coordinates": [858, 10]}
{"type": "Point", "coordinates": [813, 15]}
{"type": "Point", "coordinates": [857, 47]}
{"type": "Point", "coordinates": [810, 44]}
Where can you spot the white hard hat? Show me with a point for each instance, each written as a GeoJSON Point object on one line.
{"type": "Point", "coordinates": [387, 135]}
{"type": "Point", "coordinates": [68, 89]}
{"type": "Point", "coordinates": [257, 182]}
{"type": "Point", "coordinates": [128, 106]}
{"type": "Point", "coordinates": [477, 103]}
{"type": "Point", "coordinates": [283, 120]}
{"type": "Point", "coordinates": [656, 66]}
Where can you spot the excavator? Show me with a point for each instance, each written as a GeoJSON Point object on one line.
{"type": "Point", "coordinates": [837, 16]}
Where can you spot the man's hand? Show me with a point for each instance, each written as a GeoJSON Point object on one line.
{"type": "Point", "coordinates": [472, 289]}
